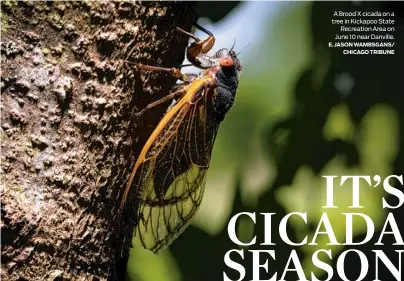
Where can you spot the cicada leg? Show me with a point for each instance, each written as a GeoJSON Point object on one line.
{"type": "Point", "coordinates": [199, 46]}
{"type": "Point", "coordinates": [167, 98]}
{"type": "Point", "coordinates": [175, 72]}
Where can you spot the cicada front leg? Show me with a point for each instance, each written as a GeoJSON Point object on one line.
{"type": "Point", "coordinates": [199, 47]}
{"type": "Point", "coordinates": [174, 72]}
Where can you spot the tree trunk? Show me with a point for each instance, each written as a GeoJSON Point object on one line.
{"type": "Point", "coordinates": [69, 137]}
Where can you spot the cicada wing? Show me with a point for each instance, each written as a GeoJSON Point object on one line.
{"type": "Point", "coordinates": [171, 179]}
{"type": "Point", "coordinates": [160, 224]}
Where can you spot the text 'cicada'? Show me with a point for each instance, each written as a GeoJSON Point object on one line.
{"type": "Point", "coordinates": [170, 173]}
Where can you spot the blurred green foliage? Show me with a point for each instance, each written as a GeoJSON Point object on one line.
{"type": "Point", "coordinates": [302, 111]}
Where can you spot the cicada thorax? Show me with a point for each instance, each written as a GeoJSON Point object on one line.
{"type": "Point", "coordinates": [223, 100]}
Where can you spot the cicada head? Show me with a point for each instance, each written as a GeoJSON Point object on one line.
{"type": "Point", "coordinates": [228, 59]}
{"type": "Point", "coordinates": [229, 68]}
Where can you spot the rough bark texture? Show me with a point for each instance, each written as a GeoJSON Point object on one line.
{"type": "Point", "coordinates": [68, 132]}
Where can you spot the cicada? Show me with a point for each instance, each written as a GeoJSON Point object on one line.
{"type": "Point", "coordinates": [170, 173]}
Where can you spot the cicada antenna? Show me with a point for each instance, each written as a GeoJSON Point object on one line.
{"type": "Point", "coordinates": [245, 47]}
{"type": "Point", "coordinates": [234, 44]}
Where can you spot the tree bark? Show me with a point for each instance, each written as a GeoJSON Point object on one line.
{"type": "Point", "coordinates": [69, 137]}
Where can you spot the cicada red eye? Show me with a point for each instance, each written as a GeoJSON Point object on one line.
{"type": "Point", "coordinates": [226, 62]}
